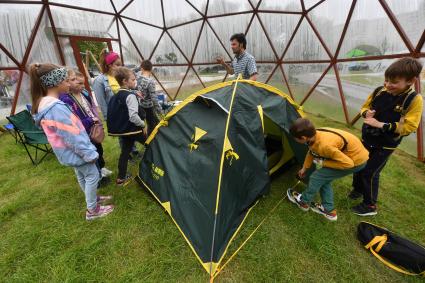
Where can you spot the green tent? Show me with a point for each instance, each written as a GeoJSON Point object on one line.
{"type": "Point", "coordinates": [209, 161]}
{"type": "Point", "coordinates": [355, 53]}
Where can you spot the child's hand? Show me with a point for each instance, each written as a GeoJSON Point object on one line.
{"type": "Point", "coordinates": [370, 113]}
{"type": "Point", "coordinates": [373, 122]}
{"type": "Point", "coordinates": [139, 94]}
{"type": "Point", "coordinates": [301, 173]}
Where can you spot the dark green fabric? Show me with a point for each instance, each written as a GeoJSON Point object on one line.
{"type": "Point", "coordinates": [244, 180]}
{"type": "Point", "coordinates": [24, 123]}
{"type": "Point", "coordinates": [190, 179]}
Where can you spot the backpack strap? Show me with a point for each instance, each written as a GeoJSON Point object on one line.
{"type": "Point", "coordinates": [344, 147]}
{"type": "Point", "coordinates": [376, 92]}
{"type": "Point", "coordinates": [407, 101]}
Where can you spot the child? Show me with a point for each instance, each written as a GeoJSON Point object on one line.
{"type": "Point", "coordinates": [105, 85]}
{"type": "Point", "coordinates": [82, 106]}
{"type": "Point", "coordinates": [336, 154]}
{"type": "Point", "coordinates": [390, 113]}
{"type": "Point", "coordinates": [65, 133]}
{"type": "Point", "coordinates": [124, 120]}
{"type": "Point", "coordinates": [149, 103]}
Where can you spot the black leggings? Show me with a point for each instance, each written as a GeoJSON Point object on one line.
{"type": "Point", "coordinates": [100, 160]}
{"type": "Point", "coordinates": [127, 143]}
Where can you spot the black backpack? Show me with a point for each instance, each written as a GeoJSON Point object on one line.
{"type": "Point", "coordinates": [394, 251]}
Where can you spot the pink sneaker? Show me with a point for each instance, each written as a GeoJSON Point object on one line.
{"type": "Point", "coordinates": [99, 211]}
{"type": "Point", "coordinates": [103, 199]}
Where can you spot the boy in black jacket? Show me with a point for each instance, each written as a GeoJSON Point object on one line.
{"type": "Point", "coordinates": [124, 120]}
{"type": "Point", "coordinates": [390, 113]}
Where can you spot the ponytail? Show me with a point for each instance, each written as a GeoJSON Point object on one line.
{"type": "Point", "coordinates": [102, 61]}
{"type": "Point", "coordinates": [37, 89]}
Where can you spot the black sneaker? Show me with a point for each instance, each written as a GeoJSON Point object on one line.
{"type": "Point", "coordinates": [364, 209]}
{"type": "Point", "coordinates": [354, 194]}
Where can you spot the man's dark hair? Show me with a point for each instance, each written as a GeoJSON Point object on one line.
{"type": "Point", "coordinates": [240, 37]}
{"type": "Point", "coordinates": [302, 128]}
{"type": "Point", "coordinates": [146, 65]}
{"type": "Point", "coordinates": [407, 68]}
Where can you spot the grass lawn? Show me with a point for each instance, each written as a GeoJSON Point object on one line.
{"type": "Point", "coordinates": [44, 236]}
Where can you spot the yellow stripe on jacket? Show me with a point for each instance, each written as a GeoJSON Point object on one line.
{"type": "Point", "coordinates": [328, 145]}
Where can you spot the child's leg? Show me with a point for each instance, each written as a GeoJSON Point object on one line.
{"type": "Point", "coordinates": [80, 178]}
{"type": "Point", "coordinates": [127, 145]}
{"type": "Point", "coordinates": [327, 196]}
{"type": "Point", "coordinates": [370, 174]}
{"type": "Point", "coordinates": [357, 182]}
{"type": "Point", "coordinates": [90, 174]}
{"type": "Point", "coordinates": [321, 180]}
{"type": "Point", "coordinates": [317, 179]}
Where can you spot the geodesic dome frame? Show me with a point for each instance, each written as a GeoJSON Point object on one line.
{"type": "Point", "coordinates": [308, 48]}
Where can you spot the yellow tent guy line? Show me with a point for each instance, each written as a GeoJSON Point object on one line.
{"type": "Point", "coordinates": [178, 227]}
{"type": "Point", "coordinates": [253, 232]}
{"type": "Point", "coordinates": [231, 240]}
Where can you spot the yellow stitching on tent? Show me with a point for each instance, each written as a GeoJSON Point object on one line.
{"type": "Point", "coordinates": [162, 123]}
{"type": "Point", "coordinates": [260, 111]}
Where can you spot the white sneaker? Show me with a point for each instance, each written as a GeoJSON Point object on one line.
{"type": "Point", "coordinates": [105, 172]}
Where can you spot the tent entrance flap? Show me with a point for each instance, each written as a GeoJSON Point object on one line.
{"type": "Point", "coordinates": [279, 151]}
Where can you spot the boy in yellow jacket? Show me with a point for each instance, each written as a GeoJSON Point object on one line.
{"type": "Point", "coordinates": [390, 113]}
{"type": "Point", "coordinates": [336, 154]}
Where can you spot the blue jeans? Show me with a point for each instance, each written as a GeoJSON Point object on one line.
{"type": "Point", "coordinates": [88, 177]}
{"type": "Point", "coordinates": [320, 181]}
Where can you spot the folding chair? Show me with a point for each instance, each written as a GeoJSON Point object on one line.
{"type": "Point", "coordinates": [30, 135]}
{"type": "Point", "coordinates": [11, 130]}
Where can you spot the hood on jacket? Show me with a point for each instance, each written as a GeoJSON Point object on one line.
{"type": "Point", "coordinates": [46, 103]}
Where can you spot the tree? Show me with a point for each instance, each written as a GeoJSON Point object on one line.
{"type": "Point", "coordinates": [95, 47]}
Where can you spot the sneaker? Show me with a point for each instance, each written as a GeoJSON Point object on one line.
{"type": "Point", "coordinates": [354, 194]}
{"type": "Point", "coordinates": [318, 208]}
{"type": "Point", "coordinates": [295, 197]}
{"type": "Point", "coordinates": [103, 199]}
{"type": "Point", "coordinates": [99, 211]}
{"type": "Point", "coordinates": [124, 182]}
{"type": "Point", "coordinates": [364, 209]}
{"type": "Point", "coordinates": [105, 172]}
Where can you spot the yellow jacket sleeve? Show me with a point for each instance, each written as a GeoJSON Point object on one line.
{"type": "Point", "coordinates": [411, 120]}
{"type": "Point", "coordinates": [338, 160]}
{"type": "Point", "coordinates": [366, 105]}
{"type": "Point", "coordinates": [308, 160]}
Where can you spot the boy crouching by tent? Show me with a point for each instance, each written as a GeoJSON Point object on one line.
{"type": "Point", "coordinates": [336, 154]}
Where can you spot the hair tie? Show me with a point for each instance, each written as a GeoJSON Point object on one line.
{"type": "Point", "coordinates": [54, 77]}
